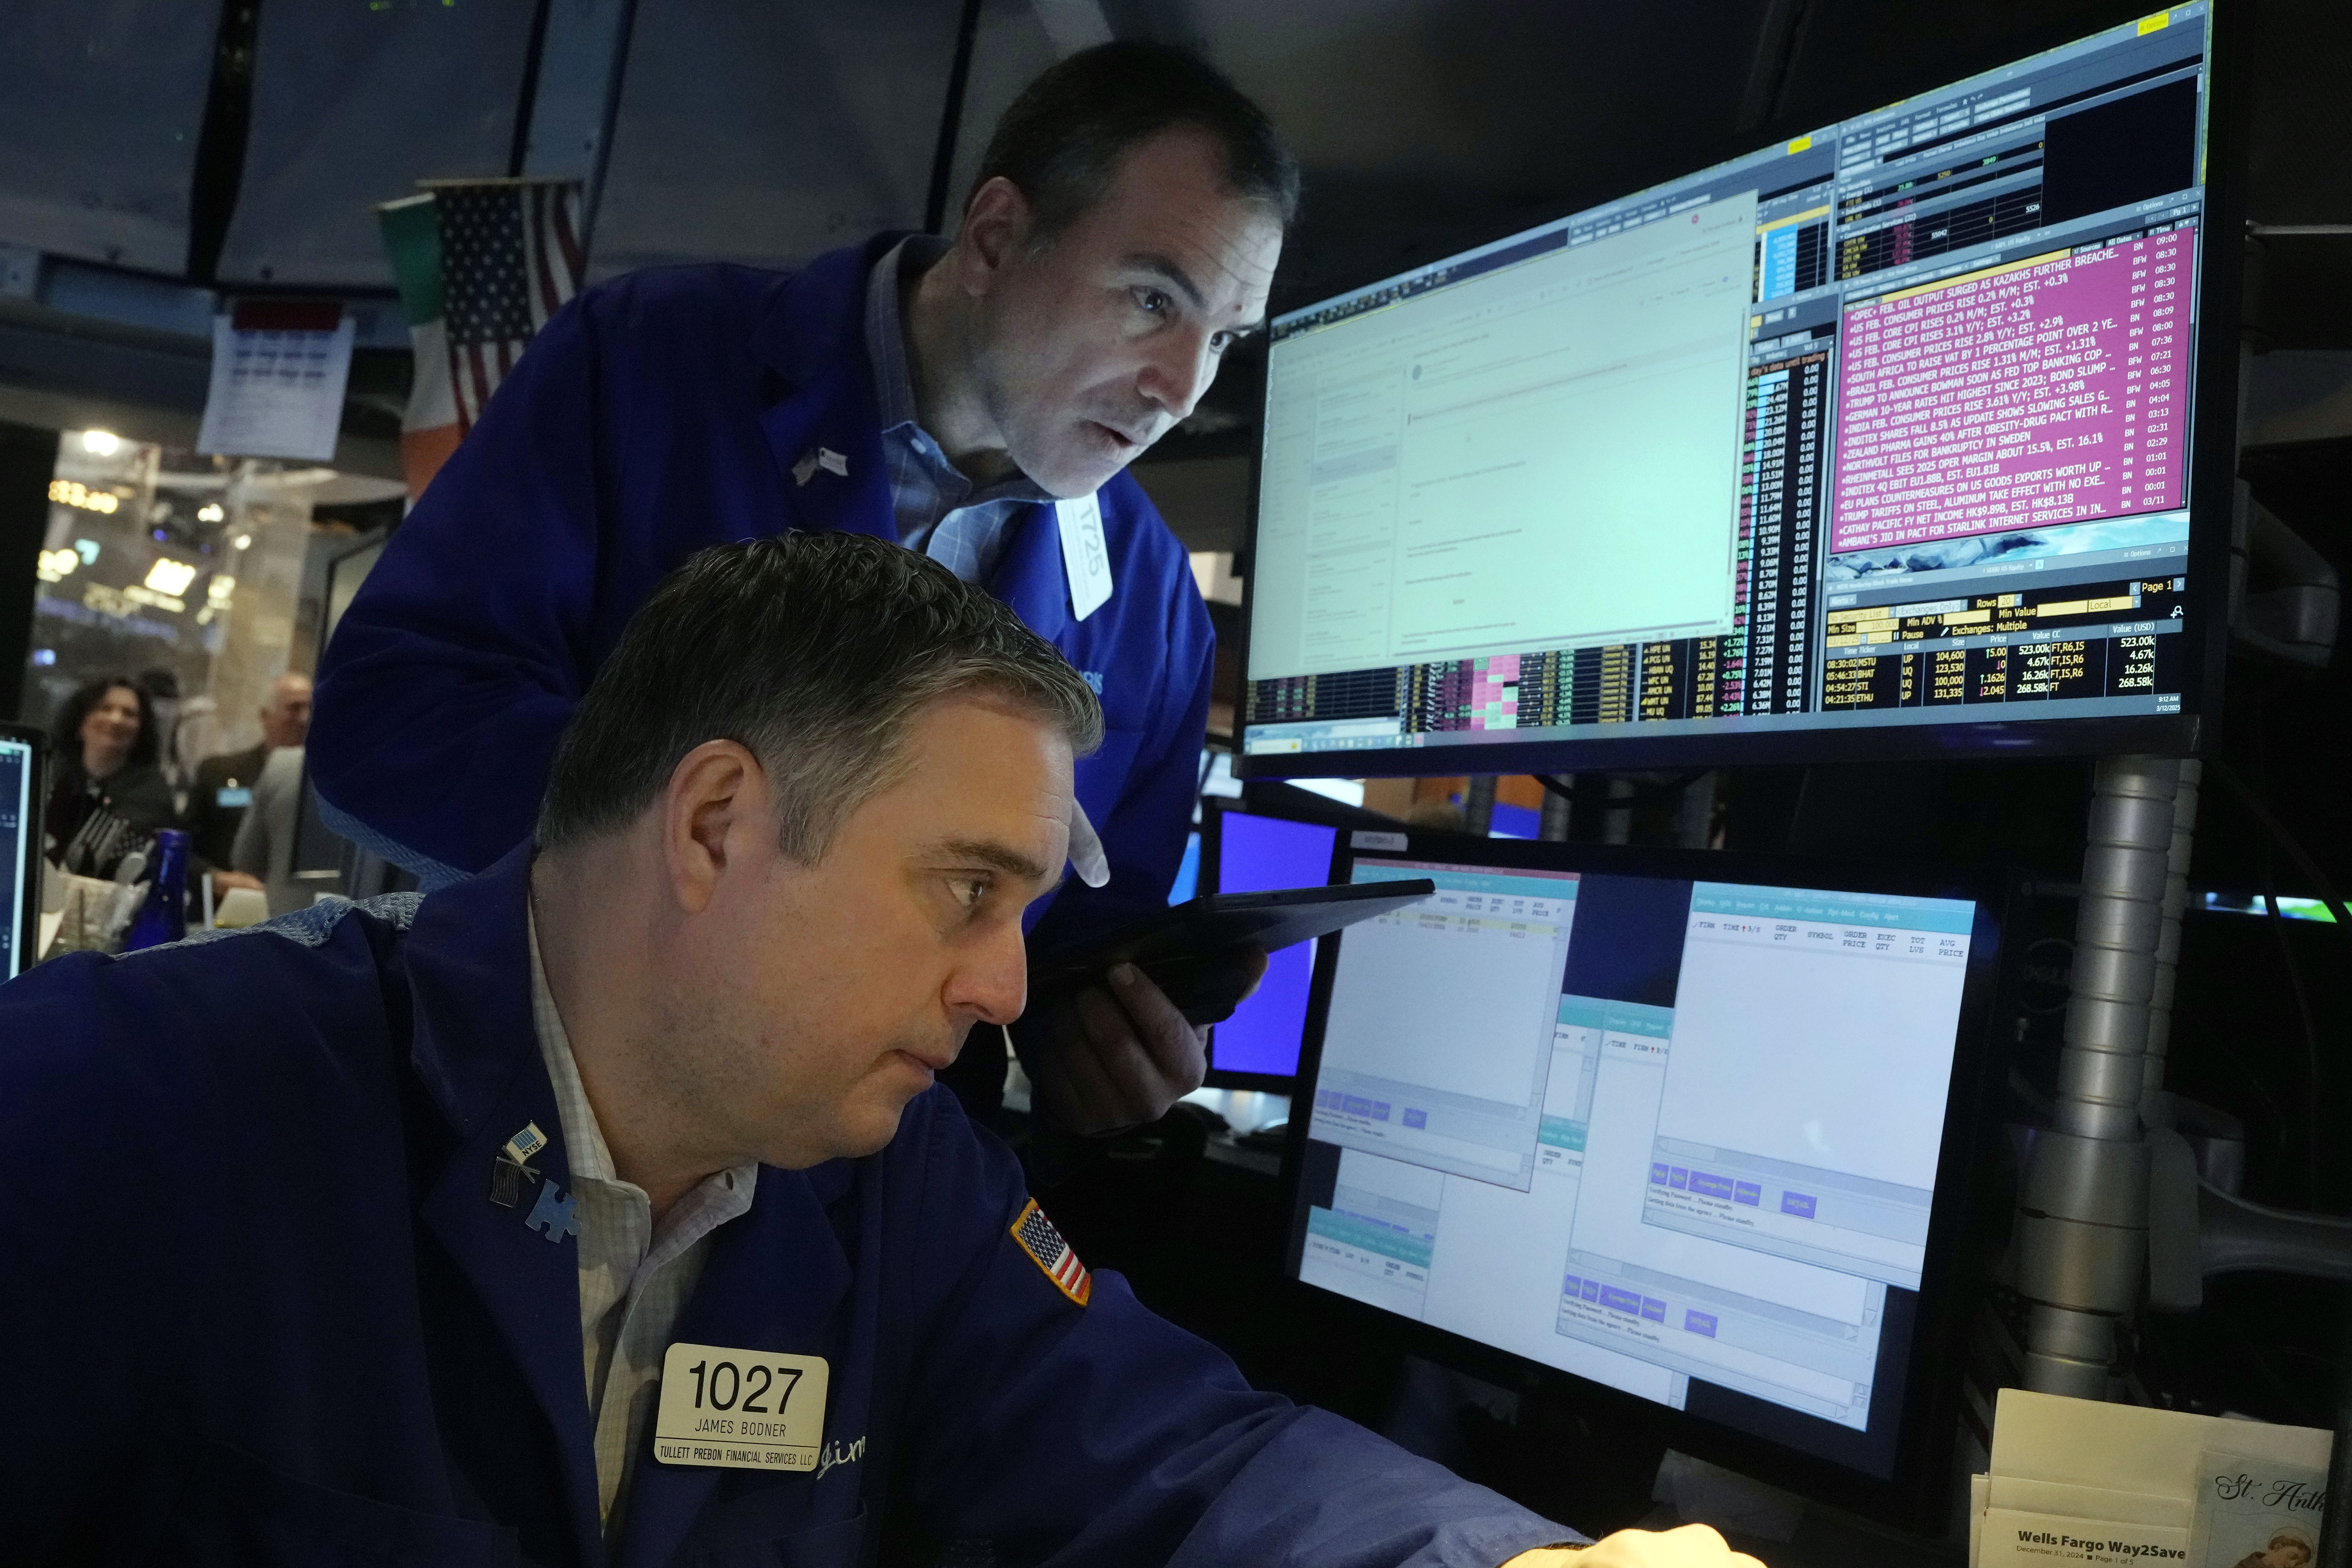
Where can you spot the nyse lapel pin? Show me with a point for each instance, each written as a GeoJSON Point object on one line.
{"type": "Point", "coordinates": [512, 1167]}
{"type": "Point", "coordinates": [833, 462]}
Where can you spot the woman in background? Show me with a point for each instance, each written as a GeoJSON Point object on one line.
{"type": "Point", "coordinates": [105, 745]}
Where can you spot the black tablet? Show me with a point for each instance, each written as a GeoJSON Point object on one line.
{"type": "Point", "coordinates": [1183, 948]}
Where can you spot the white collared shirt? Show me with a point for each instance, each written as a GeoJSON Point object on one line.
{"type": "Point", "coordinates": [634, 1276]}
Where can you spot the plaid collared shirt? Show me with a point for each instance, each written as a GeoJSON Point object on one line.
{"type": "Point", "coordinates": [634, 1276]}
{"type": "Point", "coordinates": [940, 511]}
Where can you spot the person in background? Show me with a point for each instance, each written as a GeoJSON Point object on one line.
{"type": "Point", "coordinates": [224, 783]}
{"type": "Point", "coordinates": [263, 856]}
{"type": "Point", "coordinates": [104, 739]}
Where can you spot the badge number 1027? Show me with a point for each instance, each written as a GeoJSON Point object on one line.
{"type": "Point", "coordinates": [739, 1409]}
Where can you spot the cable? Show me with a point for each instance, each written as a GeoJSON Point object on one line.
{"type": "Point", "coordinates": [2270, 824]}
{"type": "Point", "coordinates": [2267, 864]}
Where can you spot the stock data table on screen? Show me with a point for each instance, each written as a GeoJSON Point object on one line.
{"type": "Point", "coordinates": [1671, 467]}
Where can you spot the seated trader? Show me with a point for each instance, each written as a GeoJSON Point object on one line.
{"type": "Point", "coordinates": [1121, 232]}
{"type": "Point", "coordinates": [105, 746]}
{"type": "Point", "coordinates": [432, 1229]}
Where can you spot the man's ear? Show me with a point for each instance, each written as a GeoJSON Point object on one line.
{"type": "Point", "coordinates": [996, 225]}
{"type": "Point", "coordinates": [717, 799]}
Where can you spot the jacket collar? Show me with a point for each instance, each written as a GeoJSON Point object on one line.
{"type": "Point", "coordinates": [473, 1049]}
{"type": "Point", "coordinates": [812, 338]}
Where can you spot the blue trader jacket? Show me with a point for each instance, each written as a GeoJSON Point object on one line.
{"type": "Point", "coordinates": [261, 1307]}
{"type": "Point", "coordinates": [667, 411]}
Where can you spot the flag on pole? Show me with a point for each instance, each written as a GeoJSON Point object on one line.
{"type": "Point", "coordinates": [480, 265]}
{"type": "Point", "coordinates": [510, 258]}
{"type": "Point", "coordinates": [428, 426]}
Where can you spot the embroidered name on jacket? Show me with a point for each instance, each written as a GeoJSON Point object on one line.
{"type": "Point", "coordinates": [1046, 1248]}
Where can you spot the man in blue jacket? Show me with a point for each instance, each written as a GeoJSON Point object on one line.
{"type": "Point", "coordinates": [975, 400]}
{"type": "Point", "coordinates": [600, 1208]}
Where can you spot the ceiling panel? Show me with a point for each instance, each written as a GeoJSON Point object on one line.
{"type": "Point", "coordinates": [767, 134]}
{"type": "Point", "coordinates": [100, 104]}
{"type": "Point", "coordinates": [354, 101]}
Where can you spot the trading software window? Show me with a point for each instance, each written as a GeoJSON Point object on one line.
{"type": "Point", "coordinates": [1885, 426]}
{"type": "Point", "coordinates": [1642, 1130]}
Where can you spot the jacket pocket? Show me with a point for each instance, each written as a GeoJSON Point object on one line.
{"type": "Point", "coordinates": [841, 1544]}
{"type": "Point", "coordinates": [239, 1510]}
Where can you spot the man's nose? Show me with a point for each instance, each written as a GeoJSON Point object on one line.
{"type": "Point", "coordinates": [993, 983]}
{"type": "Point", "coordinates": [1178, 378]}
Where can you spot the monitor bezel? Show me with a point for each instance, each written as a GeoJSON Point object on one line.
{"type": "Point", "coordinates": [2211, 499]}
{"type": "Point", "coordinates": [27, 893]}
{"type": "Point", "coordinates": [1213, 845]}
{"type": "Point", "coordinates": [1916, 1495]}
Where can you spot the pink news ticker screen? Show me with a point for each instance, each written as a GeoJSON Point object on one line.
{"type": "Point", "coordinates": [2046, 391]}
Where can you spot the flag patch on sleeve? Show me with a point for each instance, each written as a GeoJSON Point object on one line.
{"type": "Point", "coordinates": [1046, 1248]}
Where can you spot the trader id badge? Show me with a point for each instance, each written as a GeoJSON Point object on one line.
{"type": "Point", "coordinates": [742, 1410]}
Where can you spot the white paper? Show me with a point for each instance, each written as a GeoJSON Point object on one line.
{"type": "Point", "coordinates": [2033, 1496]}
{"type": "Point", "coordinates": [2128, 1447]}
{"type": "Point", "coordinates": [2012, 1539]}
{"type": "Point", "coordinates": [1084, 556]}
{"type": "Point", "coordinates": [275, 393]}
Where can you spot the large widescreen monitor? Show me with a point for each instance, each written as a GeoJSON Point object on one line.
{"type": "Point", "coordinates": [1689, 1126]}
{"type": "Point", "coordinates": [1911, 436]}
{"type": "Point", "coordinates": [22, 800]}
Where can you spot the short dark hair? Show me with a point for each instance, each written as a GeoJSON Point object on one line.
{"type": "Point", "coordinates": [814, 650]}
{"type": "Point", "coordinates": [65, 735]}
{"type": "Point", "coordinates": [1065, 135]}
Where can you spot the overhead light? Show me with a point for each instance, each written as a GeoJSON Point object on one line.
{"type": "Point", "coordinates": [245, 541]}
{"type": "Point", "coordinates": [170, 576]}
{"type": "Point", "coordinates": [100, 443]}
{"type": "Point", "coordinates": [210, 511]}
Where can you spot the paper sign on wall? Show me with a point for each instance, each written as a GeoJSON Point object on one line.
{"type": "Point", "coordinates": [280, 367]}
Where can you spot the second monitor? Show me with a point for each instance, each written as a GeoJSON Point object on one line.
{"type": "Point", "coordinates": [1686, 1125]}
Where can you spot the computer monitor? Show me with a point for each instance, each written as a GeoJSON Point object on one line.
{"type": "Point", "coordinates": [1688, 1126]}
{"type": "Point", "coordinates": [23, 798]}
{"type": "Point", "coordinates": [1909, 436]}
{"type": "Point", "coordinates": [1248, 852]}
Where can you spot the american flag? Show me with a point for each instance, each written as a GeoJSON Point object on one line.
{"type": "Point", "coordinates": [510, 258]}
{"type": "Point", "coordinates": [1046, 1248]}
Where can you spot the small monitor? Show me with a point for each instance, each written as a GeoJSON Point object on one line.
{"type": "Point", "coordinates": [1912, 435]}
{"type": "Point", "coordinates": [22, 799]}
{"type": "Point", "coordinates": [1250, 852]}
{"type": "Point", "coordinates": [1688, 1126]}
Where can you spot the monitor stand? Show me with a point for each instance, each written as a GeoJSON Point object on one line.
{"type": "Point", "coordinates": [2080, 1253]}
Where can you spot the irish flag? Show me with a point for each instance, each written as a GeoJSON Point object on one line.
{"type": "Point", "coordinates": [480, 266]}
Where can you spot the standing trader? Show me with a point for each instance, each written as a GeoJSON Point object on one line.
{"type": "Point", "coordinates": [224, 783]}
{"type": "Point", "coordinates": [596, 1210]}
{"type": "Point", "coordinates": [976, 400]}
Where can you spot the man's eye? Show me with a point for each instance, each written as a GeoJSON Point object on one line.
{"type": "Point", "coordinates": [1220, 341]}
{"type": "Point", "coordinates": [1152, 302]}
{"type": "Point", "coordinates": [970, 892]}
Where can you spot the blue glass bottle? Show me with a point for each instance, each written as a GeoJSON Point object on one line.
{"type": "Point", "coordinates": [165, 916]}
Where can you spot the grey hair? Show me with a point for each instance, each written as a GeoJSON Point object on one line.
{"type": "Point", "coordinates": [814, 651]}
